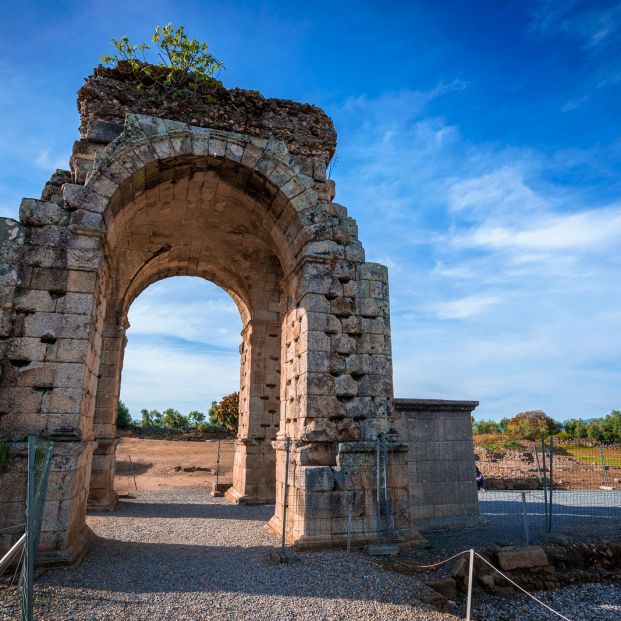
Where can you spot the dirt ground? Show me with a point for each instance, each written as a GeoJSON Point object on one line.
{"type": "Point", "coordinates": [145, 464]}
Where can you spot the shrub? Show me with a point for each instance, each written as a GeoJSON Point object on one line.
{"type": "Point", "coordinates": [226, 413]}
{"type": "Point", "coordinates": [531, 425]}
{"type": "Point", "coordinates": [184, 65]}
{"type": "Point", "coordinates": [484, 426]}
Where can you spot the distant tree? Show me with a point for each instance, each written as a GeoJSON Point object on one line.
{"type": "Point", "coordinates": [531, 425]}
{"type": "Point", "coordinates": [503, 424]}
{"type": "Point", "coordinates": [123, 417]}
{"type": "Point", "coordinates": [211, 414]}
{"type": "Point", "coordinates": [156, 418]}
{"type": "Point", "coordinates": [227, 412]}
{"type": "Point", "coordinates": [145, 418]}
{"type": "Point", "coordinates": [174, 419]}
{"type": "Point", "coordinates": [484, 426]}
{"type": "Point", "coordinates": [195, 417]}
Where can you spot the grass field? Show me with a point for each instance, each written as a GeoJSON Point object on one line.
{"type": "Point", "coordinates": [589, 455]}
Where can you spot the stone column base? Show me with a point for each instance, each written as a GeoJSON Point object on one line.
{"type": "Point", "coordinates": [253, 473]}
{"type": "Point", "coordinates": [67, 555]}
{"type": "Point", "coordinates": [102, 496]}
{"type": "Point", "coordinates": [321, 499]}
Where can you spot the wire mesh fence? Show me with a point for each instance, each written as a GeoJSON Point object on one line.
{"type": "Point", "coordinates": [533, 489]}
{"type": "Point", "coordinates": [24, 468]}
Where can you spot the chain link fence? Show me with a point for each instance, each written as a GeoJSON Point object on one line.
{"type": "Point", "coordinates": [535, 489]}
{"type": "Point", "coordinates": [24, 470]}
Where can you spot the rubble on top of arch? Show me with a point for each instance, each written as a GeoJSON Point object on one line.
{"type": "Point", "coordinates": [110, 93]}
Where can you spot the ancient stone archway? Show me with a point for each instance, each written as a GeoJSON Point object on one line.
{"type": "Point", "coordinates": [242, 199]}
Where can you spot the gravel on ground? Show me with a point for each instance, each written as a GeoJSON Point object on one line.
{"type": "Point", "coordinates": [181, 555]}
{"type": "Point", "coordinates": [586, 602]}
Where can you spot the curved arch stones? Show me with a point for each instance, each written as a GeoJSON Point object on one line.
{"type": "Point", "coordinates": [167, 198]}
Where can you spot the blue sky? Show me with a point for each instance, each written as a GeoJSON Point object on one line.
{"type": "Point", "coordinates": [479, 149]}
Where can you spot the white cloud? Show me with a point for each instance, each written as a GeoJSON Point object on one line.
{"type": "Point", "coordinates": [47, 160]}
{"type": "Point", "coordinates": [158, 377]}
{"type": "Point", "coordinates": [465, 307]}
{"type": "Point", "coordinates": [485, 235]}
{"type": "Point", "coordinates": [502, 190]}
{"type": "Point", "coordinates": [551, 232]}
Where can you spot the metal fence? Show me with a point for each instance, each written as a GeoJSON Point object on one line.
{"type": "Point", "coordinates": [535, 489]}
{"type": "Point", "coordinates": [27, 466]}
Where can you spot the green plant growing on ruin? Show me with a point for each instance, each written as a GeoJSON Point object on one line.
{"type": "Point", "coordinates": [183, 65]}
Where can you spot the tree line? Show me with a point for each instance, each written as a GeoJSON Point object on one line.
{"type": "Point", "coordinates": [222, 414]}
{"type": "Point", "coordinates": [535, 423]}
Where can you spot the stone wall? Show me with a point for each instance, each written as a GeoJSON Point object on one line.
{"type": "Point", "coordinates": [440, 461]}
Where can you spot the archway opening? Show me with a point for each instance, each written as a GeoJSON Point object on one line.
{"type": "Point", "coordinates": [194, 219]}
{"type": "Point", "coordinates": [182, 354]}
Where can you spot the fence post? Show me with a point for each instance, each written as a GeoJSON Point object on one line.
{"type": "Point", "coordinates": [470, 575]}
{"type": "Point", "coordinates": [378, 489]}
{"type": "Point", "coordinates": [545, 484]}
{"type": "Point", "coordinates": [284, 496]}
{"type": "Point", "coordinates": [525, 516]}
{"type": "Point", "coordinates": [349, 524]}
{"type": "Point", "coordinates": [387, 498]}
{"type": "Point", "coordinates": [538, 465]}
{"type": "Point", "coordinates": [217, 466]}
{"type": "Point", "coordinates": [131, 464]}
{"type": "Point", "coordinates": [602, 458]}
{"type": "Point", "coordinates": [551, 482]}
{"type": "Point", "coordinates": [28, 567]}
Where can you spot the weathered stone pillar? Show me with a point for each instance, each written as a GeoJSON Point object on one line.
{"type": "Point", "coordinates": [102, 496]}
{"type": "Point", "coordinates": [51, 361]}
{"type": "Point", "coordinates": [254, 467]}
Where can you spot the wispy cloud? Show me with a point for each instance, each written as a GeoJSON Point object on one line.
{"type": "Point", "coordinates": [596, 27]}
{"type": "Point", "coordinates": [465, 307]}
{"type": "Point", "coordinates": [47, 160]}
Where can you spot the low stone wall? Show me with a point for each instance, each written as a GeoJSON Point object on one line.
{"type": "Point", "coordinates": [547, 567]}
{"type": "Point", "coordinates": [440, 461]}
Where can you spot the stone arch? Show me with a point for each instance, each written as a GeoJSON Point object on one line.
{"type": "Point", "coordinates": [316, 338]}
{"type": "Point", "coordinates": [229, 197]}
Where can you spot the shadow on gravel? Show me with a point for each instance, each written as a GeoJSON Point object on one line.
{"type": "Point", "coordinates": [154, 568]}
{"type": "Point", "coordinates": [260, 513]}
{"type": "Point", "coordinates": [127, 468]}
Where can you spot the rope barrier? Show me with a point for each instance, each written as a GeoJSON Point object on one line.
{"type": "Point", "coordinates": [523, 590]}
{"type": "Point", "coordinates": [428, 566]}
{"type": "Point", "coordinates": [409, 566]}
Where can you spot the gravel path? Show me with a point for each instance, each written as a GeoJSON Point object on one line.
{"type": "Point", "coordinates": [587, 602]}
{"type": "Point", "coordinates": [182, 555]}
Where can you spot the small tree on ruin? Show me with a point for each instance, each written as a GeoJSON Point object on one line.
{"type": "Point", "coordinates": [182, 65]}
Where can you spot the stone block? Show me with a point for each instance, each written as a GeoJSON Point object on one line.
{"type": "Point", "coordinates": [103, 132]}
{"type": "Point", "coordinates": [345, 386]}
{"type": "Point", "coordinates": [521, 558]}
{"type": "Point", "coordinates": [40, 213]}
{"type": "Point", "coordinates": [314, 478]}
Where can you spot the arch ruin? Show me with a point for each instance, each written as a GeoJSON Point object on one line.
{"type": "Point", "coordinates": [241, 199]}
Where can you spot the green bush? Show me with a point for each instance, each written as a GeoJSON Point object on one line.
{"type": "Point", "coordinates": [183, 65]}
{"type": "Point", "coordinates": [531, 425]}
{"type": "Point", "coordinates": [226, 413]}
